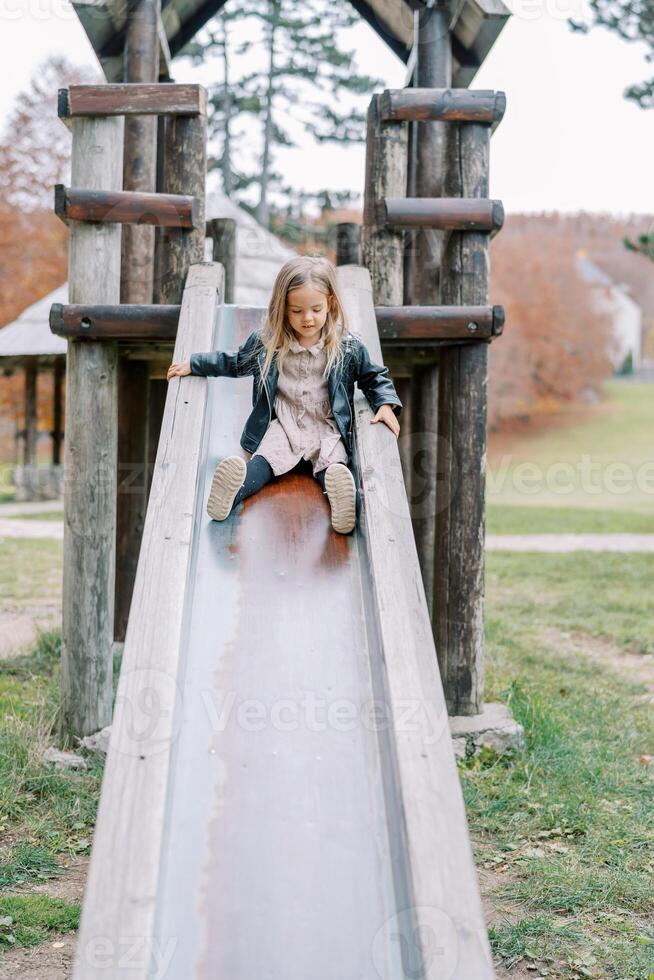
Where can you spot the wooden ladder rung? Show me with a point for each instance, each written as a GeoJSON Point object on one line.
{"type": "Point", "coordinates": [127, 321]}
{"type": "Point", "coordinates": [126, 207]}
{"type": "Point", "coordinates": [446, 104]}
{"type": "Point", "coordinates": [133, 98]}
{"type": "Point", "coordinates": [438, 324]}
{"type": "Point", "coordinates": [449, 213]}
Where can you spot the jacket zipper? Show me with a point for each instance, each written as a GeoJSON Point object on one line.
{"type": "Point", "coordinates": [350, 411]}
{"type": "Point", "coordinates": [267, 398]}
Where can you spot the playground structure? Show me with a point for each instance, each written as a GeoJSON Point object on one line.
{"type": "Point", "coordinates": [197, 830]}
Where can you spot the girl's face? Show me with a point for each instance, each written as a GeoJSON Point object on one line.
{"type": "Point", "coordinates": [306, 310]}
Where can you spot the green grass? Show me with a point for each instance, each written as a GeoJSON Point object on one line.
{"type": "Point", "coordinates": [46, 814]}
{"type": "Point", "coordinates": [26, 920]}
{"type": "Point", "coordinates": [603, 460]}
{"type": "Point", "coordinates": [46, 515]}
{"type": "Point", "coordinates": [7, 489]}
{"type": "Point", "coordinates": [30, 570]}
{"type": "Point", "coordinates": [514, 519]}
{"type": "Point", "coordinates": [569, 821]}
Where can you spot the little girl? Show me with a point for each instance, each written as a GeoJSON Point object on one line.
{"type": "Point", "coordinates": [304, 363]}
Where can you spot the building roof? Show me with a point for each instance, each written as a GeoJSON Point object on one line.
{"type": "Point", "coordinates": [30, 335]}
{"type": "Point", "coordinates": [475, 26]}
{"type": "Point", "coordinates": [259, 253]}
{"type": "Point", "coordinates": [259, 256]}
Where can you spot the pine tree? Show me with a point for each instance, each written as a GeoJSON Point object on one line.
{"type": "Point", "coordinates": [302, 59]}
{"type": "Point", "coordinates": [632, 20]}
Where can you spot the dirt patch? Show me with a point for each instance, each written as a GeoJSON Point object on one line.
{"type": "Point", "coordinates": [68, 886]}
{"type": "Point", "coordinates": [52, 959]}
{"type": "Point", "coordinates": [637, 667]}
{"type": "Point", "coordinates": [19, 627]}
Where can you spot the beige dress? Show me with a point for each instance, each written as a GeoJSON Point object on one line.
{"type": "Point", "coordinates": [305, 426]}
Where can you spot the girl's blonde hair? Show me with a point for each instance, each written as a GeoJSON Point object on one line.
{"type": "Point", "coordinates": [277, 333]}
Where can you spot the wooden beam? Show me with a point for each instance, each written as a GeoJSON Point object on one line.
{"type": "Point", "coordinates": [348, 243]}
{"type": "Point", "coordinates": [57, 434]}
{"type": "Point", "coordinates": [125, 321]}
{"type": "Point", "coordinates": [424, 246]}
{"type": "Point", "coordinates": [447, 104]}
{"type": "Point", "coordinates": [31, 421]}
{"type": "Point", "coordinates": [140, 74]}
{"type": "Point", "coordinates": [386, 175]}
{"type": "Point", "coordinates": [462, 412]}
{"type": "Point", "coordinates": [449, 214]}
{"type": "Point", "coordinates": [131, 98]}
{"type": "Point", "coordinates": [90, 453]}
{"type": "Point", "coordinates": [424, 324]}
{"type": "Point", "coordinates": [406, 672]}
{"type": "Point", "coordinates": [391, 20]}
{"type": "Point", "coordinates": [184, 171]}
{"type": "Point", "coordinates": [164, 210]}
{"type": "Point", "coordinates": [222, 232]}
{"type": "Point", "coordinates": [138, 766]}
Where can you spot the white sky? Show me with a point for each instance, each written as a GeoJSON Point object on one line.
{"type": "Point", "coordinates": [569, 140]}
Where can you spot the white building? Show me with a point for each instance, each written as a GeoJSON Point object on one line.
{"type": "Point", "coordinates": [613, 298]}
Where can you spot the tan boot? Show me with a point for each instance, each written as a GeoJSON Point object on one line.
{"type": "Point", "coordinates": [227, 481]}
{"type": "Point", "coordinates": [341, 493]}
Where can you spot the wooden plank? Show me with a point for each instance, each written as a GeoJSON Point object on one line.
{"type": "Point", "coordinates": [443, 323]}
{"type": "Point", "coordinates": [58, 370]}
{"type": "Point", "coordinates": [448, 214]}
{"type": "Point", "coordinates": [132, 98]}
{"type": "Point", "coordinates": [424, 802]}
{"type": "Point", "coordinates": [446, 104]}
{"type": "Point", "coordinates": [90, 453]}
{"type": "Point", "coordinates": [462, 413]}
{"type": "Point", "coordinates": [131, 496]}
{"type": "Point", "coordinates": [30, 431]}
{"type": "Point", "coordinates": [124, 321]}
{"type": "Point", "coordinates": [141, 67]}
{"type": "Point", "coordinates": [348, 243]}
{"type": "Point", "coordinates": [386, 174]}
{"type": "Point", "coordinates": [163, 210]}
{"type": "Point", "coordinates": [125, 866]}
{"type": "Point", "coordinates": [222, 232]}
{"type": "Point", "coordinates": [424, 250]}
{"type": "Point", "coordinates": [184, 171]}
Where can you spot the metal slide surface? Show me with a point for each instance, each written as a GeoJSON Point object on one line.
{"type": "Point", "coordinates": [276, 859]}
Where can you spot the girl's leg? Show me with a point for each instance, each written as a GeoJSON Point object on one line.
{"type": "Point", "coordinates": [259, 472]}
{"type": "Point", "coordinates": [233, 481]}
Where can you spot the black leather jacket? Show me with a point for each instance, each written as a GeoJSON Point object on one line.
{"type": "Point", "coordinates": [372, 378]}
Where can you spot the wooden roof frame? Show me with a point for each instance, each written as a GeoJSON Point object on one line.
{"type": "Point", "coordinates": [475, 26]}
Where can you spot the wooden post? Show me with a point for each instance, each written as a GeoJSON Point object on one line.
{"type": "Point", "coordinates": [140, 64]}
{"type": "Point", "coordinates": [90, 447]}
{"type": "Point", "coordinates": [58, 372]}
{"type": "Point", "coordinates": [386, 170]}
{"type": "Point", "coordinates": [459, 565]}
{"type": "Point", "coordinates": [30, 430]}
{"type": "Point", "coordinates": [184, 172]}
{"type": "Point", "coordinates": [433, 70]}
{"type": "Point", "coordinates": [348, 243]}
{"type": "Point", "coordinates": [222, 231]}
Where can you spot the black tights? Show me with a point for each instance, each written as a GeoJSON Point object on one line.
{"type": "Point", "coordinates": [259, 472]}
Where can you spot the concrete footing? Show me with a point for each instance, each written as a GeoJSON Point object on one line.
{"type": "Point", "coordinates": [493, 728]}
